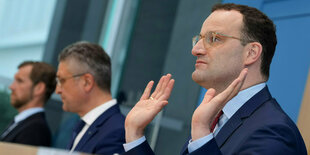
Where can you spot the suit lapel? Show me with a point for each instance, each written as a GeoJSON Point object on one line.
{"type": "Point", "coordinates": [245, 111]}
{"type": "Point", "coordinates": [18, 127]}
{"type": "Point", "coordinates": [184, 148]}
{"type": "Point", "coordinates": [93, 129]}
{"type": "Point", "coordinates": [232, 124]}
{"type": "Point", "coordinates": [8, 130]}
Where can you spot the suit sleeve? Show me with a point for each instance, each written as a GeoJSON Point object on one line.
{"type": "Point", "coordinates": [113, 143]}
{"type": "Point", "coordinates": [210, 148]}
{"type": "Point", "coordinates": [37, 134]}
{"type": "Point", "coordinates": [276, 139]}
{"type": "Point", "coordinates": [142, 149]}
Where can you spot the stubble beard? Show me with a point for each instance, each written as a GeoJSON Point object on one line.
{"type": "Point", "coordinates": [200, 77]}
{"type": "Point", "coordinates": [18, 103]}
{"type": "Point", "coordinates": [205, 79]}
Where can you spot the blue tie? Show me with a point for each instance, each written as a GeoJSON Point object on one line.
{"type": "Point", "coordinates": [76, 130]}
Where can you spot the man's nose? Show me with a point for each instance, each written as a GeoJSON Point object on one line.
{"type": "Point", "coordinates": [12, 86]}
{"type": "Point", "coordinates": [199, 48]}
{"type": "Point", "coordinates": [58, 89]}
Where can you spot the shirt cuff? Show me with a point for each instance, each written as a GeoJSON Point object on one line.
{"type": "Point", "coordinates": [194, 145]}
{"type": "Point", "coordinates": [133, 144]}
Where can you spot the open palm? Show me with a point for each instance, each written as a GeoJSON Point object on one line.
{"type": "Point", "coordinates": [211, 105]}
{"type": "Point", "coordinates": [148, 107]}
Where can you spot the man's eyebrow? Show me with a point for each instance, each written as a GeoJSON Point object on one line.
{"type": "Point", "coordinates": [19, 78]}
{"type": "Point", "coordinates": [208, 32]}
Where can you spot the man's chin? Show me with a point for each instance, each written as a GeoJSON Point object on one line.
{"type": "Point", "coordinates": [65, 108]}
{"type": "Point", "coordinates": [17, 104]}
{"type": "Point", "coordinates": [197, 77]}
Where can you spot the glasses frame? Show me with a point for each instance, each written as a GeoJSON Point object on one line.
{"type": "Point", "coordinates": [62, 80]}
{"type": "Point", "coordinates": [196, 38]}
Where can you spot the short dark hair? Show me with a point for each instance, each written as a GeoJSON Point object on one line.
{"type": "Point", "coordinates": [42, 72]}
{"type": "Point", "coordinates": [94, 58]}
{"type": "Point", "coordinates": [256, 27]}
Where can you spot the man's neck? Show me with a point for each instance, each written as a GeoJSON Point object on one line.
{"type": "Point", "coordinates": [248, 82]}
{"type": "Point", "coordinates": [29, 105]}
{"type": "Point", "coordinates": [251, 81]}
{"type": "Point", "coordinates": [95, 100]}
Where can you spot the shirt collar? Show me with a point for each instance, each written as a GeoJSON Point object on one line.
{"type": "Point", "coordinates": [26, 113]}
{"type": "Point", "coordinates": [242, 97]}
{"type": "Point", "coordinates": [92, 115]}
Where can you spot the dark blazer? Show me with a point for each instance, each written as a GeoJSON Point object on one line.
{"type": "Point", "coordinates": [33, 130]}
{"type": "Point", "coordinates": [260, 126]}
{"type": "Point", "coordinates": [106, 135]}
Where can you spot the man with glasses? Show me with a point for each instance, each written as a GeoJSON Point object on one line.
{"type": "Point", "coordinates": [238, 114]}
{"type": "Point", "coordinates": [83, 82]}
{"type": "Point", "coordinates": [32, 87]}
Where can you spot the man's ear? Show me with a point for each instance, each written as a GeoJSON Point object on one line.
{"type": "Point", "coordinates": [39, 89]}
{"type": "Point", "coordinates": [253, 53]}
{"type": "Point", "coordinates": [88, 82]}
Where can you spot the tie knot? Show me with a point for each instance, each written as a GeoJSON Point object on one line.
{"type": "Point", "coordinates": [79, 126]}
{"type": "Point", "coordinates": [76, 130]}
{"type": "Point", "coordinates": [216, 120]}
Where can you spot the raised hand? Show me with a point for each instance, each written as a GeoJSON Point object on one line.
{"type": "Point", "coordinates": [211, 105]}
{"type": "Point", "coordinates": [148, 107]}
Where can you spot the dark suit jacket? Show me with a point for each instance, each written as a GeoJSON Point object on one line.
{"type": "Point", "coordinates": [106, 135]}
{"type": "Point", "coordinates": [31, 131]}
{"type": "Point", "coordinates": [260, 126]}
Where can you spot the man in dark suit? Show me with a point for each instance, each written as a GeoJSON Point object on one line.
{"type": "Point", "coordinates": [83, 81]}
{"type": "Point", "coordinates": [32, 87]}
{"type": "Point", "coordinates": [240, 117]}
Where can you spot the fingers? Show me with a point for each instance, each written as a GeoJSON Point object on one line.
{"type": "Point", "coordinates": [208, 96]}
{"type": "Point", "coordinates": [147, 91]}
{"type": "Point", "coordinates": [158, 87]}
{"type": "Point", "coordinates": [162, 105]}
{"type": "Point", "coordinates": [241, 79]}
{"type": "Point", "coordinates": [163, 85]}
{"type": "Point", "coordinates": [232, 90]}
{"type": "Point", "coordinates": [242, 76]}
{"type": "Point", "coordinates": [167, 91]}
{"type": "Point", "coordinates": [162, 90]}
{"type": "Point", "coordinates": [239, 82]}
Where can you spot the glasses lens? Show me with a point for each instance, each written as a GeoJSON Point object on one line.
{"type": "Point", "coordinates": [212, 39]}
{"type": "Point", "coordinates": [57, 81]}
{"type": "Point", "coordinates": [195, 39]}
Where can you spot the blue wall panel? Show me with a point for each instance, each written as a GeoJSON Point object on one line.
{"type": "Point", "coordinates": [289, 69]}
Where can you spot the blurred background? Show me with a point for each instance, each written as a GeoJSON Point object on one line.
{"type": "Point", "coordinates": [146, 39]}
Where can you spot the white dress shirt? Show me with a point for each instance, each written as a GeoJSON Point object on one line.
{"type": "Point", "coordinates": [90, 117]}
{"type": "Point", "coordinates": [27, 113]}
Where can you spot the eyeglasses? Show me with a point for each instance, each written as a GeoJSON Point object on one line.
{"type": "Point", "coordinates": [60, 81]}
{"type": "Point", "coordinates": [212, 39]}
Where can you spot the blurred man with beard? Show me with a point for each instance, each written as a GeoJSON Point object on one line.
{"type": "Point", "coordinates": [32, 86]}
